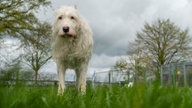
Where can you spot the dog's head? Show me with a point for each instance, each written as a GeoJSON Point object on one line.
{"type": "Point", "coordinates": [66, 22]}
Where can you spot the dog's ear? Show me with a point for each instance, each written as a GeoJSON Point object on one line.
{"type": "Point", "coordinates": [75, 6]}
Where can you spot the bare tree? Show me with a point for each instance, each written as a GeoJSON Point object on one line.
{"type": "Point", "coordinates": [140, 61]}
{"type": "Point", "coordinates": [18, 20]}
{"type": "Point", "coordinates": [162, 41]}
{"type": "Point", "coordinates": [37, 48]}
{"type": "Point", "coordinates": [123, 67]}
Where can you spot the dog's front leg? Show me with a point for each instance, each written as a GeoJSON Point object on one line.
{"type": "Point", "coordinates": [61, 75]}
{"type": "Point", "coordinates": [81, 78]}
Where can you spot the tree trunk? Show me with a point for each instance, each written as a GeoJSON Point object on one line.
{"type": "Point", "coordinates": [36, 76]}
{"type": "Point", "coordinates": [157, 74]}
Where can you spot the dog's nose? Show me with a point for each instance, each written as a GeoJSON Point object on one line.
{"type": "Point", "coordinates": [65, 29]}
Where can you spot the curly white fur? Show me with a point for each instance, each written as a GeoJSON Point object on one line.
{"type": "Point", "coordinates": [71, 49]}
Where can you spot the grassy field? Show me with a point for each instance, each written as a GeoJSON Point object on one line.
{"type": "Point", "coordinates": [139, 96]}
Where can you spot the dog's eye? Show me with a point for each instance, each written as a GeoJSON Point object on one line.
{"type": "Point", "coordinates": [72, 17]}
{"type": "Point", "coordinates": [60, 17]}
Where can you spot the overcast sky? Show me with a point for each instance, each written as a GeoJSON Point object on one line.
{"type": "Point", "coordinates": [115, 22]}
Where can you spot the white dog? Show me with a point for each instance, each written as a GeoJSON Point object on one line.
{"type": "Point", "coordinates": [71, 45]}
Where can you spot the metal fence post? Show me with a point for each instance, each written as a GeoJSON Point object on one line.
{"type": "Point", "coordinates": [109, 77]}
{"type": "Point", "coordinates": [170, 74]}
{"type": "Point", "coordinates": [185, 76]}
{"type": "Point", "coordinates": [93, 79]}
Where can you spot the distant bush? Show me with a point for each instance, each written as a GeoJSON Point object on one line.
{"type": "Point", "coordinates": [13, 75]}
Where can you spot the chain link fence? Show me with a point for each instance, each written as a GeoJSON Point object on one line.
{"type": "Point", "coordinates": [113, 76]}
{"type": "Point", "coordinates": [177, 74]}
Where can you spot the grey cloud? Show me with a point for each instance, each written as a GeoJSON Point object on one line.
{"type": "Point", "coordinates": [103, 61]}
{"type": "Point", "coordinates": [112, 43]}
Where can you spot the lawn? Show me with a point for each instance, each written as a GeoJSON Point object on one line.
{"type": "Point", "coordinates": [138, 96]}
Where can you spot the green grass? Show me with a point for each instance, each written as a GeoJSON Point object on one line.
{"type": "Point", "coordinates": [139, 96]}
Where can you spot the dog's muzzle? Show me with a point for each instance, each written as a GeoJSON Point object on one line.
{"type": "Point", "coordinates": [65, 29]}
